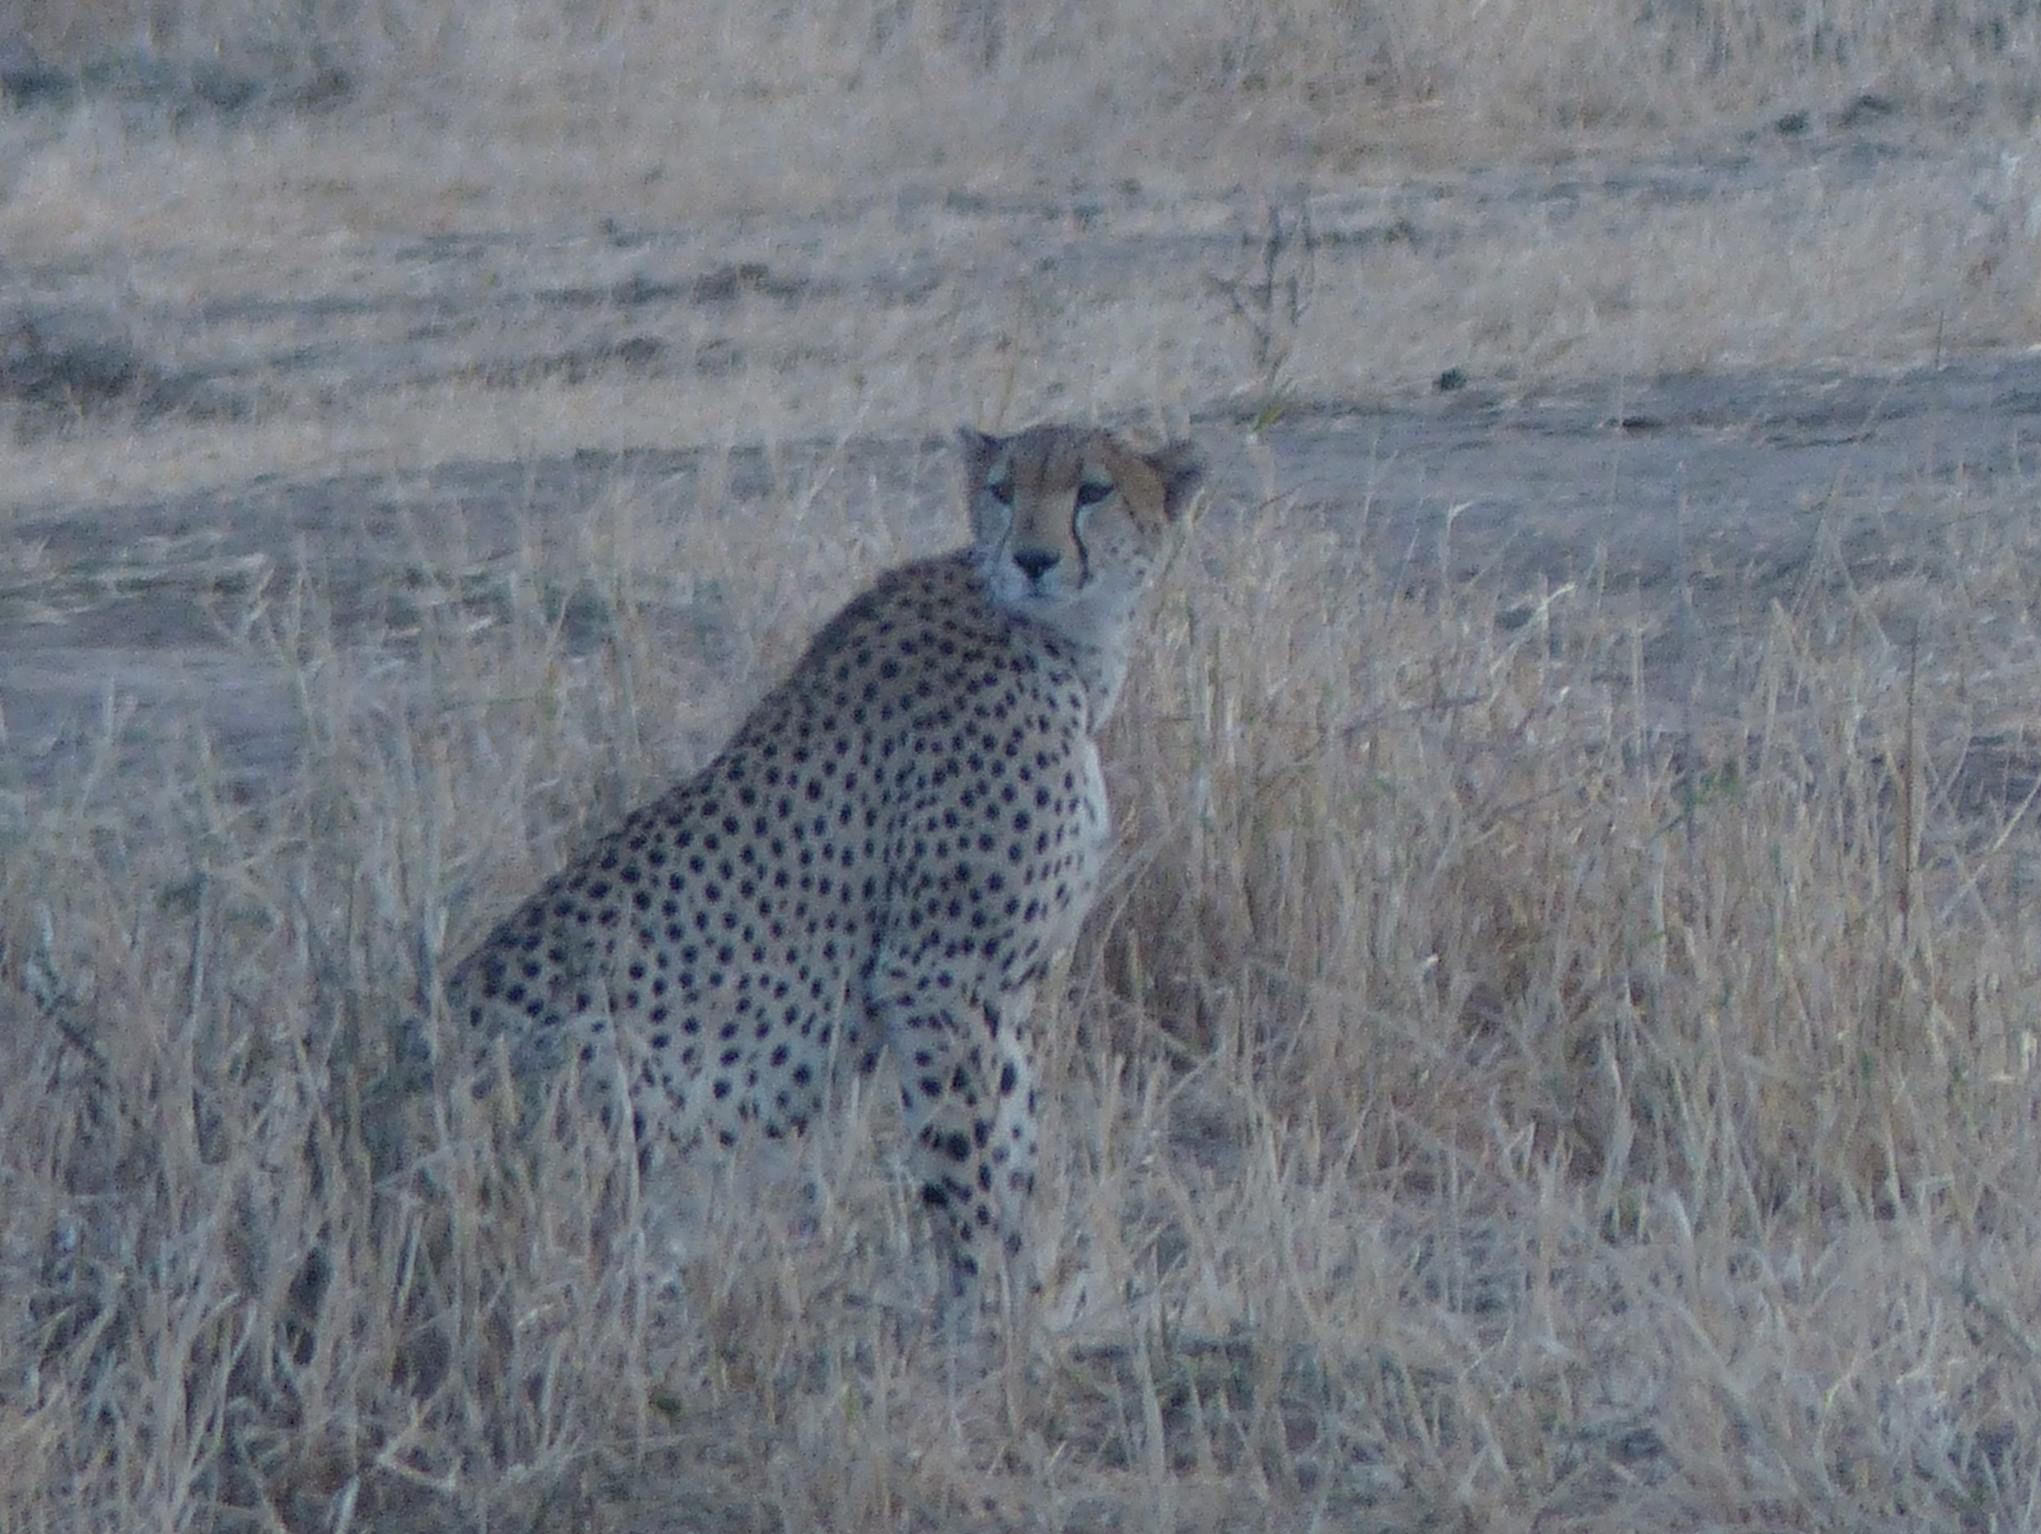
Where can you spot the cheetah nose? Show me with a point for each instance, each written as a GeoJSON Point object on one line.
{"type": "Point", "coordinates": [1035, 563]}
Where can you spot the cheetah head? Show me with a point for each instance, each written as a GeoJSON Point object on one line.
{"type": "Point", "coordinates": [1069, 522]}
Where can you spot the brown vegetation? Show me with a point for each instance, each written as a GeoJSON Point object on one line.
{"type": "Point", "coordinates": [1558, 1050]}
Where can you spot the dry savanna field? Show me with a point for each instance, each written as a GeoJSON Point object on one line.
{"type": "Point", "coordinates": [1557, 1046]}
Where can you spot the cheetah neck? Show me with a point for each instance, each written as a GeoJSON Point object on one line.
{"type": "Point", "coordinates": [1099, 659]}
{"type": "Point", "coordinates": [1087, 633]}
{"type": "Point", "coordinates": [1102, 671]}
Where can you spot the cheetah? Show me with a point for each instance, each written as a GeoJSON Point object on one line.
{"type": "Point", "coordinates": [886, 856]}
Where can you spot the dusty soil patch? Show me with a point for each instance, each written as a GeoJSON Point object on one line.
{"type": "Point", "coordinates": [1610, 361]}
{"type": "Point", "coordinates": [1737, 489]}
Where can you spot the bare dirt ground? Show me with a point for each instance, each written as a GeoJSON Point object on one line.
{"type": "Point", "coordinates": [1728, 485]}
{"type": "Point", "coordinates": [1559, 1046]}
{"type": "Point", "coordinates": [1740, 475]}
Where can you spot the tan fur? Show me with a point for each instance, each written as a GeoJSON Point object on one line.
{"type": "Point", "coordinates": [889, 853]}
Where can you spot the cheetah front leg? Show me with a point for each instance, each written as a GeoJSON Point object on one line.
{"type": "Point", "coordinates": [967, 1086]}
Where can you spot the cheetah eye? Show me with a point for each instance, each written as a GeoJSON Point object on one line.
{"type": "Point", "coordinates": [1091, 492]}
{"type": "Point", "coordinates": [1001, 490]}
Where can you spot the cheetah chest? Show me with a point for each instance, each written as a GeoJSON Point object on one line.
{"type": "Point", "coordinates": [1091, 826]}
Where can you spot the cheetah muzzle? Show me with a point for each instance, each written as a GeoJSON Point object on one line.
{"type": "Point", "coordinates": [886, 856]}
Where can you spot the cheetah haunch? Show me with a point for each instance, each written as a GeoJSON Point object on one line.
{"type": "Point", "coordinates": [890, 852]}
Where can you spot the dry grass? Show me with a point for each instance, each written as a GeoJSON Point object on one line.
{"type": "Point", "coordinates": [1480, 1101]}
{"type": "Point", "coordinates": [1531, 193]}
{"type": "Point", "coordinates": [451, 118]}
{"type": "Point", "coordinates": [1512, 66]}
{"type": "Point", "coordinates": [882, 322]}
{"type": "Point", "coordinates": [1532, 1068]}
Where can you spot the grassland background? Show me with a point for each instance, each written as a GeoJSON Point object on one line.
{"type": "Point", "coordinates": [1558, 1048]}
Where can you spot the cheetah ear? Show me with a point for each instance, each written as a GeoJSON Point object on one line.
{"type": "Point", "coordinates": [1182, 471]}
{"type": "Point", "coordinates": [980, 449]}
